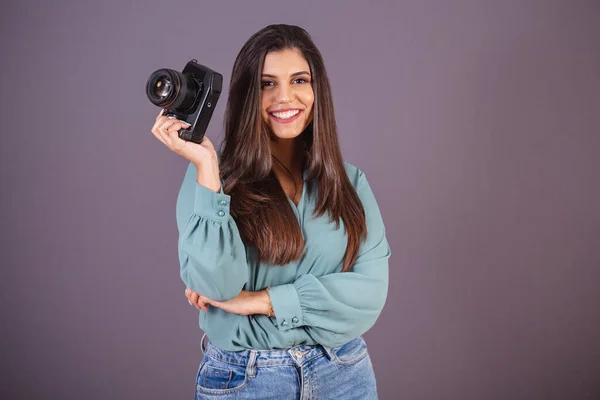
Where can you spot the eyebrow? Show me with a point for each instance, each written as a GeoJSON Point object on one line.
{"type": "Point", "coordinates": [293, 75]}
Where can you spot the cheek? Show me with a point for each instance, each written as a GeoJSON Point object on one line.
{"type": "Point", "coordinates": [308, 99]}
{"type": "Point", "coordinates": [263, 107]}
{"type": "Point", "coordinates": [310, 107]}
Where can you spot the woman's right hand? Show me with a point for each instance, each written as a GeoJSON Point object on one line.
{"type": "Point", "coordinates": [203, 155]}
{"type": "Point", "coordinates": [166, 130]}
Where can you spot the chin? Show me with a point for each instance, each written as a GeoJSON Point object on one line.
{"type": "Point", "coordinates": [286, 134]}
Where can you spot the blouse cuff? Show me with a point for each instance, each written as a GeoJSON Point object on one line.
{"type": "Point", "coordinates": [286, 306]}
{"type": "Point", "coordinates": [210, 204]}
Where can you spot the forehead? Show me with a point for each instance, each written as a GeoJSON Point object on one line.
{"type": "Point", "coordinates": [285, 62]}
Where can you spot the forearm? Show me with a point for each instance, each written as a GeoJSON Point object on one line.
{"type": "Point", "coordinates": [245, 303]}
{"type": "Point", "coordinates": [208, 175]}
{"type": "Point", "coordinates": [212, 254]}
{"type": "Point", "coordinates": [347, 303]}
{"type": "Point", "coordinates": [263, 303]}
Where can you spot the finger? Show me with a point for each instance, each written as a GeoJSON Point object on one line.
{"type": "Point", "coordinates": [211, 301]}
{"type": "Point", "coordinates": [161, 131]}
{"type": "Point", "coordinates": [186, 291]}
{"type": "Point", "coordinates": [161, 112]}
{"type": "Point", "coordinates": [160, 120]}
{"type": "Point", "coordinates": [203, 305]}
{"type": "Point", "coordinates": [189, 292]}
{"type": "Point", "coordinates": [175, 142]}
{"type": "Point", "coordinates": [193, 297]}
{"type": "Point", "coordinates": [196, 299]}
{"type": "Point", "coordinates": [160, 136]}
{"type": "Point", "coordinates": [173, 129]}
{"type": "Point", "coordinates": [167, 123]}
{"type": "Point", "coordinates": [170, 126]}
{"type": "Point", "coordinates": [200, 305]}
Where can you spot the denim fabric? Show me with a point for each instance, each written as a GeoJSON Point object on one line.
{"type": "Point", "coordinates": [299, 373]}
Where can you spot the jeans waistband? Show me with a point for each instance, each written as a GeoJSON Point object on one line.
{"type": "Point", "coordinates": [296, 355]}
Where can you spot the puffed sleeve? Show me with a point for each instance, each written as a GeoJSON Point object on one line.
{"type": "Point", "coordinates": [338, 307]}
{"type": "Point", "coordinates": [212, 256]}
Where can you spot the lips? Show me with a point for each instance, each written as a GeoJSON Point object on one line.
{"type": "Point", "coordinates": [285, 116]}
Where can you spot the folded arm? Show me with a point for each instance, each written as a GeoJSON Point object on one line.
{"type": "Point", "coordinates": [337, 307]}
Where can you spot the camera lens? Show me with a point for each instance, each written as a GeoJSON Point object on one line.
{"type": "Point", "coordinates": [162, 88]}
{"type": "Point", "coordinates": [171, 89]}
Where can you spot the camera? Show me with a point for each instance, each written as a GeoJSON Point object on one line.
{"type": "Point", "coordinates": [190, 96]}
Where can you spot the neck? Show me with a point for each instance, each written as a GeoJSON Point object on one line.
{"type": "Point", "coordinates": [289, 153]}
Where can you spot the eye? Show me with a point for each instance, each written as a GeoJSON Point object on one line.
{"type": "Point", "coordinates": [300, 80]}
{"type": "Point", "coordinates": [267, 83]}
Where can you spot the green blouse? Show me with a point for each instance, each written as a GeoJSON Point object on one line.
{"type": "Point", "coordinates": [314, 302]}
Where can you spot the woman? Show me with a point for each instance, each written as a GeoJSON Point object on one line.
{"type": "Point", "coordinates": [282, 246]}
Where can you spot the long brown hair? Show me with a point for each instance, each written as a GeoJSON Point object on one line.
{"type": "Point", "coordinates": [259, 205]}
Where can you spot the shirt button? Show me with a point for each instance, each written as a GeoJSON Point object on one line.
{"type": "Point", "coordinates": [223, 203]}
{"type": "Point", "coordinates": [284, 322]}
{"type": "Point", "coordinates": [295, 320]}
{"type": "Point", "coordinates": [221, 213]}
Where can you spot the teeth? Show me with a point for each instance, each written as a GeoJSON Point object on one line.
{"type": "Point", "coordinates": [286, 115]}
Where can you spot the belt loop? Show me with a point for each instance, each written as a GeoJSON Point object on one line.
{"type": "Point", "coordinates": [329, 352]}
{"type": "Point", "coordinates": [250, 368]}
{"type": "Point", "coordinates": [202, 347]}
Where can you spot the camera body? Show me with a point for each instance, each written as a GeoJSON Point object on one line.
{"type": "Point", "coordinates": [190, 96]}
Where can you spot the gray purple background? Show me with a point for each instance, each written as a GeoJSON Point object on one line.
{"type": "Point", "coordinates": [476, 122]}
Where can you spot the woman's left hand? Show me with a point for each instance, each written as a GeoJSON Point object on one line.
{"type": "Point", "coordinates": [246, 303]}
{"type": "Point", "coordinates": [196, 299]}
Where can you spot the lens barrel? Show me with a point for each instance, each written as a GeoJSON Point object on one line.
{"type": "Point", "coordinates": [170, 89]}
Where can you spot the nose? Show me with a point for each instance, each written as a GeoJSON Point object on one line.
{"type": "Point", "coordinates": [285, 94]}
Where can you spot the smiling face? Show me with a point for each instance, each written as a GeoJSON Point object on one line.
{"type": "Point", "coordinates": [287, 95]}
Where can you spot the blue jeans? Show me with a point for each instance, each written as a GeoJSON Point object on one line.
{"type": "Point", "coordinates": [301, 372]}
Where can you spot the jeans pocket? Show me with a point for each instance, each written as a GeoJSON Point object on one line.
{"type": "Point", "coordinates": [218, 377]}
{"type": "Point", "coordinates": [350, 352]}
